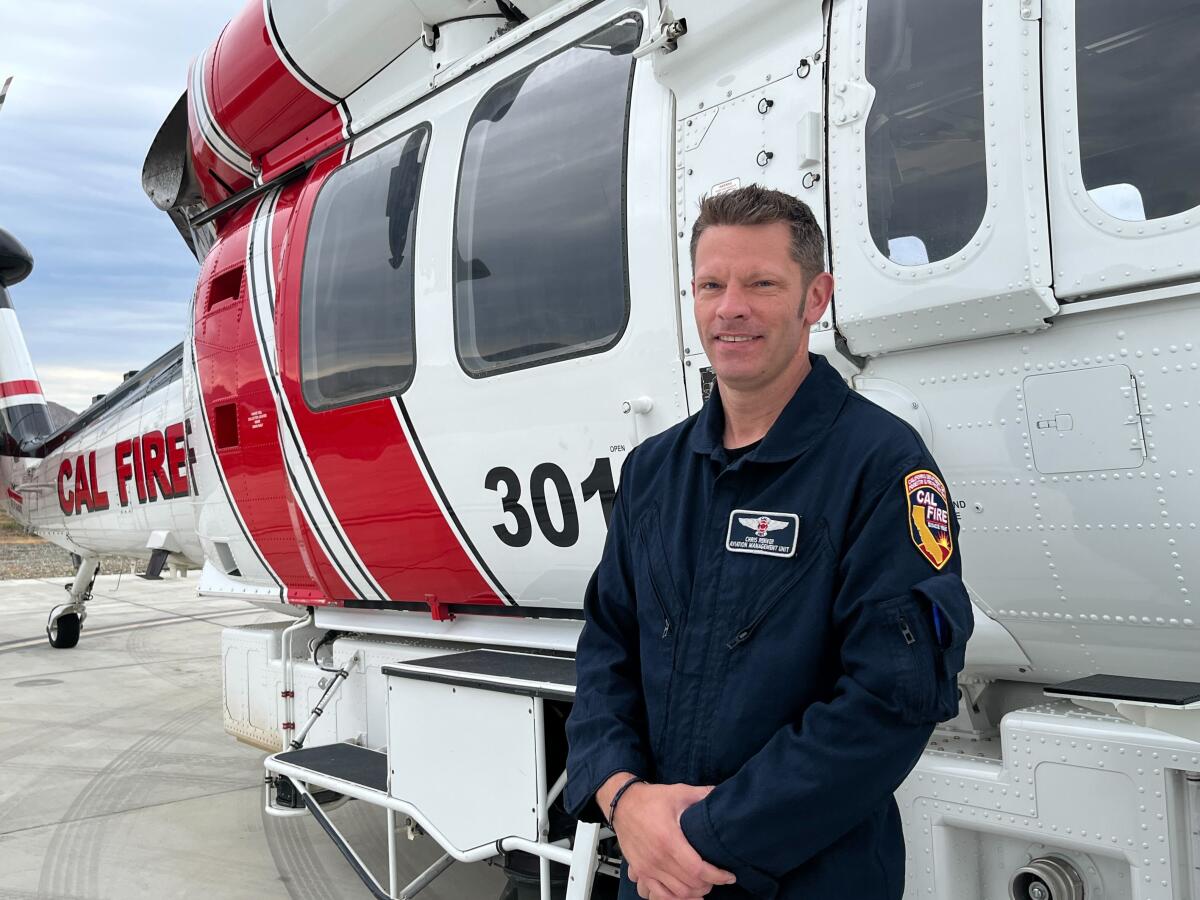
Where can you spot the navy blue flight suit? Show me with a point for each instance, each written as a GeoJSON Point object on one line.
{"type": "Point", "coordinates": [787, 626]}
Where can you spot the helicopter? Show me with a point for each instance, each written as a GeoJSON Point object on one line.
{"type": "Point", "coordinates": [444, 291]}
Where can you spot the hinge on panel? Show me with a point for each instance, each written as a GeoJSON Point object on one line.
{"type": "Point", "coordinates": [1137, 419]}
{"type": "Point", "coordinates": [430, 35]}
{"type": "Point", "coordinates": [1031, 10]}
{"type": "Point", "coordinates": [849, 101]}
{"type": "Point", "coordinates": [670, 30]}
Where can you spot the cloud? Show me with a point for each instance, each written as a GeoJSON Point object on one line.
{"type": "Point", "coordinates": [92, 83]}
{"type": "Point", "coordinates": [74, 387]}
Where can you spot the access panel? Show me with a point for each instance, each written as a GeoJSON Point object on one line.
{"type": "Point", "coordinates": [1085, 420]}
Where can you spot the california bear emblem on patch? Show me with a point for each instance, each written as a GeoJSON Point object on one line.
{"type": "Point", "coordinates": [929, 516]}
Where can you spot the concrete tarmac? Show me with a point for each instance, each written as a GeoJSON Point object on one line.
{"type": "Point", "coordinates": [117, 780]}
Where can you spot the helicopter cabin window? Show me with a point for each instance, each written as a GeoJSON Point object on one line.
{"type": "Point", "coordinates": [539, 264]}
{"type": "Point", "coordinates": [356, 307]}
{"type": "Point", "coordinates": [1139, 98]}
{"type": "Point", "coordinates": [926, 169]}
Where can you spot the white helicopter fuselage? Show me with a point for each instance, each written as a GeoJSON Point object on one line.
{"type": "Point", "coordinates": [118, 481]}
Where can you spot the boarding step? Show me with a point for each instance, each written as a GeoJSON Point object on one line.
{"type": "Point", "coordinates": [482, 716]}
{"type": "Point", "coordinates": [334, 765]}
{"type": "Point", "coordinates": [541, 675]}
{"type": "Point", "coordinates": [467, 760]}
{"type": "Point", "coordinates": [1126, 690]}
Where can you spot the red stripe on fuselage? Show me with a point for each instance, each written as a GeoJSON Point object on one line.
{"type": "Point", "coordinates": [17, 388]}
{"type": "Point", "coordinates": [318, 135]}
{"type": "Point", "coordinates": [256, 100]}
{"type": "Point", "coordinates": [218, 180]}
{"type": "Point", "coordinates": [369, 472]}
{"type": "Point", "coordinates": [231, 372]}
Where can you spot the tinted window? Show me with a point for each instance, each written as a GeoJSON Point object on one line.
{"type": "Point", "coordinates": [540, 244]}
{"type": "Point", "coordinates": [926, 173]}
{"type": "Point", "coordinates": [356, 308]}
{"type": "Point", "coordinates": [1139, 105]}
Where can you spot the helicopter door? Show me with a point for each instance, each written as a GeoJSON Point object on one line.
{"type": "Point", "coordinates": [937, 197]}
{"type": "Point", "coordinates": [1122, 139]}
{"type": "Point", "coordinates": [548, 346]}
{"type": "Point", "coordinates": [748, 111]}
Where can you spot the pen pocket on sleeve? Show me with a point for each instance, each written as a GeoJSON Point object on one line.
{"type": "Point", "coordinates": [924, 668]}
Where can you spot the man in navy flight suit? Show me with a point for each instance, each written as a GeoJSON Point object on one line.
{"type": "Point", "coordinates": [778, 620]}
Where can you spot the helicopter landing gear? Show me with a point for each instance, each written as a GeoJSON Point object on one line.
{"type": "Point", "coordinates": [66, 619]}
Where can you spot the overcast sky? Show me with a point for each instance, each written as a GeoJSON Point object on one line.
{"type": "Point", "coordinates": [92, 83]}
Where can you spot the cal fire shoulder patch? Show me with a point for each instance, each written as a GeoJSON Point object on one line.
{"type": "Point", "coordinates": [765, 533]}
{"type": "Point", "coordinates": [929, 516]}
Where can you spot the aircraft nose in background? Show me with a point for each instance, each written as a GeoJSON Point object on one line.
{"type": "Point", "coordinates": [15, 261]}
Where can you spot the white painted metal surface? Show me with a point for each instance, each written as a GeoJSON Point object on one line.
{"type": "Point", "coordinates": [15, 363]}
{"type": "Point", "coordinates": [427, 722]}
{"type": "Point", "coordinates": [748, 100]}
{"type": "Point", "coordinates": [544, 634]}
{"type": "Point", "coordinates": [1088, 570]}
{"type": "Point", "coordinates": [1095, 789]}
{"type": "Point", "coordinates": [316, 34]}
{"type": "Point", "coordinates": [1084, 420]}
{"type": "Point", "coordinates": [112, 526]}
{"type": "Point", "coordinates": [251, 685]}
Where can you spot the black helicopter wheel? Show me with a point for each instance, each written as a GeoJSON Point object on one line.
{"type": "Point", "coordinates": [63, 632]}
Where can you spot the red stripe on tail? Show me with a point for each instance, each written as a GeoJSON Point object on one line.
{"type": "Point", "coordinates": [14, 388]}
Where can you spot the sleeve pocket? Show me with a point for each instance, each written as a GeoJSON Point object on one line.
{"type": "Point", "coordinates": [924, 635]}
{"type": "Point", "coordinates": [950, 610]}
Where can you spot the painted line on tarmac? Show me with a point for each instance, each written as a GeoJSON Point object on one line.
{"type": "Point", "coordinates": [134, 626]}
{"type": "Point", "coordinates": [128, 665]}
{"type": "Point", "coordinates": [120, 812]}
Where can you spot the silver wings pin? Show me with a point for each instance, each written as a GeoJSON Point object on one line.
{"type": "Point", "coordinates": [763, 525]}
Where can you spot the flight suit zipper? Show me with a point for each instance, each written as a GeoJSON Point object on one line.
{"type": "Point", "coordinates": [745, 632]}
{"type": "Point", "coordinates": [662, 606]}
{"type": "Point", "coordinates": [668, 644]}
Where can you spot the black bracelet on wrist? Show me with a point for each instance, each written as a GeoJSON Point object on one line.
{"type": "Point", "coordinates": [612, 806]}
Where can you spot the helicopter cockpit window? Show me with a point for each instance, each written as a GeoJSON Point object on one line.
{"type": "Point", "coordinates": [540, 226]}
{"type": "Point", "coordinates": [1139, 132]}
{"type": "Point", "coordinates": [356, 307]}
{"type": "Point", "coordinates": [926, 168]}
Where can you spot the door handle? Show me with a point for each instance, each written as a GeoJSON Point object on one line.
{"type": "Point", "coordinates": [638, 406]}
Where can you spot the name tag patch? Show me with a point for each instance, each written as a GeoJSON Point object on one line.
{"type": "Point", "coordinates": [765, 533]}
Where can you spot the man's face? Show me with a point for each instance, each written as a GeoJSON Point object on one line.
{"type": "Point", "coordinates": [750, 304]}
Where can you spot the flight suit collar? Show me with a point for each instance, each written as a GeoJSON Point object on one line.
{"type": "Point", "coordinates": [807, 416]}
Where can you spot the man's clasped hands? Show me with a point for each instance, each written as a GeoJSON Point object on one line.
{"type": "Point", "coordinates": [662, 863]}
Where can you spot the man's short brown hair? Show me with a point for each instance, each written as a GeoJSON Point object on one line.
{"type": "Point", "coordinates": [757, 205]}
